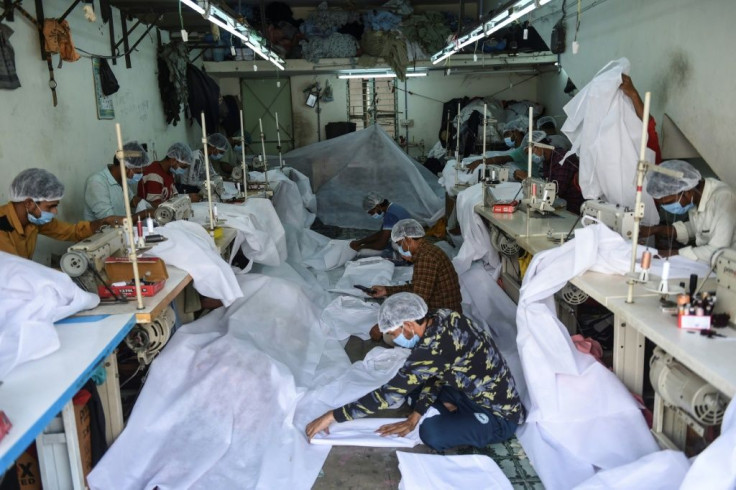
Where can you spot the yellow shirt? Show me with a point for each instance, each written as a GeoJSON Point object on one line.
{"type": "Point", "coordinates": [16, 240]}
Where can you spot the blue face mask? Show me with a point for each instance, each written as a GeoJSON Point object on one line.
{"type": "Point", "coordinates": [46, 217]}
{"type": "Point", "coordinates": [136, 178]}
{"type": "Point", "coordinates": [403, 252]}
{"type": "Point", "coordinates": [537, 159]}
{"type": "Point", "coordinates": [238, 148]}
{"type": "Point", "coordinates": [677, 208]}
{"type": "Point", "coordinates": [179, 171]}
{"type": "Point", "coordinates": [377, 216]}
{"type": "Point", "coordinates": [509, 142]}
{"type": "Point", "coordinates": [217, 157]}
{"type": "Point", "coordinates": [402, 341]}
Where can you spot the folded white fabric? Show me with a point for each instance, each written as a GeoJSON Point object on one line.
{"type": "Point", "coordinates": [362, 432]}
{"type": "Point", "coordinates": [365, 272]}
{"type": "Point", "coordinates": [189, 247]}
{"type": "Point", "coordinates": [348, 315]}
{"type": "Point", "coordinates": [662, 470]}
{"type": "Point", "coordinates": [434, 471]}
{"type": "Point", "coordinates": [32, 298]}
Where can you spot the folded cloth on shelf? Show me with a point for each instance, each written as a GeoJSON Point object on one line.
{"type": "Point", "coordinates": [439, 472]}
{"type": "Point", "coordinates": [189, 247]}
{"type": "Point", "coordinates": [32, 298]}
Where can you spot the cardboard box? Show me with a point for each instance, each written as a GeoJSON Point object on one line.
{"type": "Point", "coordinates": [84, 429]}
{"type": "Point", "coordinates": [120, 269]}
{"type": "Point", "coordinates": [26, 467]}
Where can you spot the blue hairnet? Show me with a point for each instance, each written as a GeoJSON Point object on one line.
{"type": "Point", "coordinates": [406, 228]}
{"type": "Point", "coordinates": [371, 200]}
{"type": "Point", "coordinates": [537, 137]}
{"type": "Point", "coordinates": [660, 185]}
{"type": "Point", "coordinates": [519, 124]}
{"type": "Point", "coordinates": [218, 141]}
{"type": "Point", "coordinates": [37, 184]}
{"type": "Point", "coordinates": [399, 308]}
{"type": "Point", "coordinates": [181, 153]}
{"type": "Point", "coordinates": [139, 160]}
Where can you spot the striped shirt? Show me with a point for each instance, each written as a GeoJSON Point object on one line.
{"type": "Point", "coordinates": [157, 185]}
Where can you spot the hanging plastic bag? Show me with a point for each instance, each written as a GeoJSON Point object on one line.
{"type": "Point", "coordinates": [107, 78]}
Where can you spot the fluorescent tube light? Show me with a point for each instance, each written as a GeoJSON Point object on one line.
{"type": "Point", "coordinates": [194, 6]}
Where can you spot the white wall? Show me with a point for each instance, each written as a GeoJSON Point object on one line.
{"type": "Point", "coordinates": [680, 50]}
{"type": "Point", "coordinates": [69, 140]}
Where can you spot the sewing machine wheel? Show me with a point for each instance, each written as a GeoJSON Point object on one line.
{"type": "Point", "coordinates": [573, 295]}
{"type": "Point", "coordinates": [164, 215]}
{"type": "Point", "coordinates": [237, 174]}
{"type": "Point", "coordinates": [74, 263]}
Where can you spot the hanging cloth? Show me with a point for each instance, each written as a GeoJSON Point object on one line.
{"type": "Point", "coordinates": [8, 76]}
{"type": "Point", "coordinates": [58, 39]}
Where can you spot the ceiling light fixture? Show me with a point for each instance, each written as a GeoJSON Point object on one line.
{"type": "Point", "coordinates": [509, 14]}
{"type": "Point", "coordinates": [378, 74]}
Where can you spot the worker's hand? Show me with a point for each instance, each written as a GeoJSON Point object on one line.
{"type": "Point", "coordinates": [135, 201]}
{"type": "Point", "coordinates": [320, 424]}
{"type": "Point", "coordinates": [473, 166]}
{"type": "Point", "coordinates": [379, 291]}
{"type": "Point", "coordinates": [355, 245]}
{"type": "Point", "coordinates": [627, 86]}
{"type": "Point", "coordinates": [400, 428]}
{"type": "Point", "coordinates": [376, 333]}
{"type": "Point", "coordinates": [195, 197]}
{"type": "Point", "coordinates": [646, 231]}
{"type": "Point", "coordinates": [520, 175]}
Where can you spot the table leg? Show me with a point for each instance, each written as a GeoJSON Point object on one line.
{"type": "Point", "coordinates": [628, 355]}
{"type": "Point", "coordinates": [59, 460]}
{"type": "Point", "coordinates": [112, 405]}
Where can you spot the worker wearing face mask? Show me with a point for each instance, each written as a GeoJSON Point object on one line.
{"type": "Point", "coordinates": [513, 136]}
{"type": "Point", "coordinates": [454, 366]}
{"type": "Point", "coordinates": [34, 200]}
{"type": "Point", "coordinates": [549, 126]}
{"type": "Point", "coordinates": [434, 277]}
{"type": "Point", "coordinates": [157, 184]}
{"type": "Point", "coordinates": [103, 192]}
{"type": "Point", "coordinates": [379, 208]}
{"type": "Point", "coordinates": [217, 147]}
{"type": "Point", "coordinates": [709, 204]}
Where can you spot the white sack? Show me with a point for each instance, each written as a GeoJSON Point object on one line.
{"type": "Point", "coordinates": [581, 418]}
{"type": "Point", "coordinates": [438, 472]}
{"type": "Point", "coordinates": [662, 470]}
{"type": "Point", "coordinates": [606, 134]}
{"type": "Point", "coordinates": [32, 298]}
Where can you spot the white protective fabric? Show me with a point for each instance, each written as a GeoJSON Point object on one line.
{"type": "Point", "coordinates": [606, 134]}
{"type": "Point", "coordinates": [366, 272]}
{"type": "Point", "coordinates": [189, 247]}
{"type": "Point", "coordinates": [662, 470]}
{"type": "Point", "coordinates": [362, 432]}
{"type": "Point", "coordinates": [476, 238]}
{"type": "Point", "coordinates": [343, 169]}
{"type": "Point", "coordinates": [32, 298]}
{"type": "Point", "coordinates": [438, 472]}
{"type": "Point", "coordinates": [261, 235]}
{"type": "Point", "coordinates": [715, 467]}
{"type": "Point", "coordinates": [322, 253]}
{"type": "Point", "coordinates": [450, 177]}
{"type": "Point", "coordinates": [348, 315]}
{"type": "Point", "coordinates": [581, 418]}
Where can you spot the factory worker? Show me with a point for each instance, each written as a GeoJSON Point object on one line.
{"type": "Point", "coordinates": [389, 213]}
{"type": "Point", "coordinates": [513, 136]}
{"type": "Point", "coordinates": [627, 87]}
{"type": "Point", "coordinates": [454, 366]}
{"type": "Point", "coordinates": [157, 184]}
{"type": "Point", "coordinates": [34, 200]}
{"type": "Point", "coordinates": [709, 204]}
{"type": "Point", "coordinates": [549, 126]}
{"type": "Point", "coordinates": [434, 278]}
{"type": "Point", "coordinates": [103, 192]}
{"type": "Point", "coordinates": [546, 164]}
{"type": "Point", "coordinates": [217, 147]}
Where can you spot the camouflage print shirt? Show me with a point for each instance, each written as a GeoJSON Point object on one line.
{"type": "Point", "coordinates": [453, 352]}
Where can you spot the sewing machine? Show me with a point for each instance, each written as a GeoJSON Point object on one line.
{"type": "Point", "coordinates": [539, 194]}
{"type": "Point", "coordinates": [218, 188]}
{"type": "Point", "coordinates": [496, 174]}
{"type": "Point", "coordinates": [725, 265]}
{"type": "Point", "coordinates": [618, 218]}
{"type": "Point", "coordinates": [147, 339]}
{"type": "Point", "coordinates": [177, 208]}
{"type": "Point", "coordinates": [84, 262]}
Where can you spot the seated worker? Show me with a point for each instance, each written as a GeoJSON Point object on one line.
{"type": "Point", "coordinates": [217, 145]}
{"type": "Point", "coordinates": [157, 184]}
{"type": "Point", "coordinates": [549, 126]}
{"type": "Point", "coordinates": [380, 208]}
{"type": "Point", "coordinates": [34, 200]}
{"type": "Point", "coordinates": [434, 277]}
{"type": "Point", "coordinates": [709, 203]}
{"type": "Point", "coordinates": [513, 136]}
{"type": "Point", "coordinates": [546, 164]}
{"type": "Point", "coordinates": [103, 192]}
{"type": "Point", "coordinates": [454, 366]}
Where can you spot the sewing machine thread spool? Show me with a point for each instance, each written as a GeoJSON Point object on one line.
{"type": "Point", "coordinates": [663, 284]}
{"type": "Point", "coordinates": [646, 263]}
{"type": "Point", "coordinates": [149, 224]}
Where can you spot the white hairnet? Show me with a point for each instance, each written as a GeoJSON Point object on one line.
{"type": "Point", "coordinates": [371, 200]}
{"type": "Point", "coordinates": [37, 184]}
{"type": "Point", "coordinates": [546, 120]}
{"type": "Point", "coordinates": [519, 124]}
{"type": "Point", "coordinates": [219, 141]}
{"type": "Point", "coordinates": [181, 153]}
{"type": "Point", "coordinates": [399, 308]}
{"type": "Point", "coordinates": [537, 137]}
{"type": "Point", "coordinates": [660, 185]}
{"type": "Point", "coordinates": [406, 228]}
{"type": "Point", "coordinates": [139, 160]}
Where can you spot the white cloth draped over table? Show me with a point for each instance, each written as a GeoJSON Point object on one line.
{"type": "Point", "coordinates": [581, 417]}
{"type": "Point", "coordinates": [606, 135]}
{"type": "Point", "coordinates": [32, 298]}
{"type": "Point", "coordinates": [190, 247]}
{"type": "Point", "coordinates": [451, 177]}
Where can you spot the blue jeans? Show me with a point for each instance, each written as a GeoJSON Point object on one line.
{"type": "Point", "coordinates": [469, 425]}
